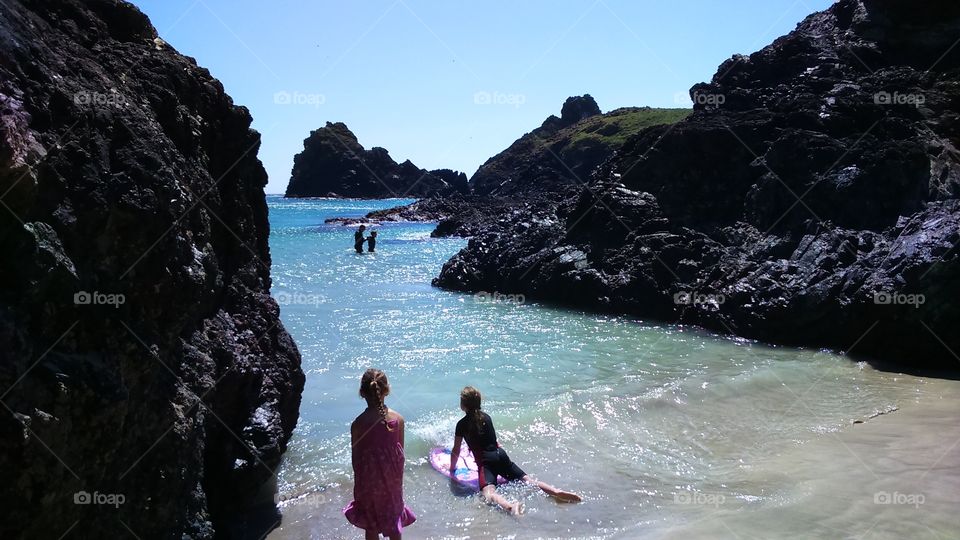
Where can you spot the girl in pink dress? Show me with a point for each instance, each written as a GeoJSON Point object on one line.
{"type": "Point", "coordinates": [376, 437]}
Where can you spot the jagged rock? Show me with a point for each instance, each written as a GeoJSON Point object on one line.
{"type": "Point", "coordinates": [535, 172]}
{"type": "Point", "coordinates": [810, 199]}
{"type": "Point", "coordinates": [457, 215]}
{"type": "Point", "coordinates": [577, 108]}
{"type": "Point", "coordinates": [334, 163]}
{"type": "Point", "coordinates": [140, 351]}
{"type": "Point", "coordinates": [564, 151]}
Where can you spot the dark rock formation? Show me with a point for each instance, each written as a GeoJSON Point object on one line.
{"type": "Point", "coordinates": [535, 172]}
{"type": "Point", "coordinates": [810, 199]}
{"type": "Point", "coordinates": [457, 215]}
{"type": "Point", "coordinates": [421, 211]}
{"type": "Point", "coordinates": [574, 109]}
{"type": "Point", "coordinates": [564, 151]}
{"type": "Point", "coordinates": [333, 163]}
{"type": "Point", "coordinates": [147, 385]}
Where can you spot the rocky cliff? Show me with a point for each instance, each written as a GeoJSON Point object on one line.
{"type": "Point", "coordinates": [333, 163]}
{"type": "Point", "coordinates": [535, 172]}
{"type": "Point", "coordinates": [810, 199]}
{"type": "Point", "coordinates": [564, 150]}
{"type": "Point", "coordinates": [147, 385]}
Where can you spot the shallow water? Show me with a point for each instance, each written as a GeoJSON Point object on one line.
{"type": "Point", "coordinates": [666, 431]}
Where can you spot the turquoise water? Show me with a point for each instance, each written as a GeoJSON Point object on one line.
{"type": "Point", "coordinates": [658, 427]}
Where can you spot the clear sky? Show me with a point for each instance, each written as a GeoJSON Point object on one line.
{"type": "Point", "coordinates": [449, 83]}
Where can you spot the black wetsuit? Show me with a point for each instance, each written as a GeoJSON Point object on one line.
{"type": "Point", "coordinates": [358, 241]}
{"type": "Point", "coordinates": [371, 243]}
{"type": "Point", "coordinates": [492, 461]}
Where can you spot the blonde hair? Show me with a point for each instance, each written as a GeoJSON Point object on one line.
{"type": "Point", "coordinates": [470, 400]}
{"type": "Point", "coordinates": [374, 387]}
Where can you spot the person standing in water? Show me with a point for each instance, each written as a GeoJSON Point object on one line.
{"type": "Point", "coordinates": [372, 242]}
{"type": "Point", "coordinates": [358, 238]}
{"type": "Point", "coordinates": [476, 427]}
{"type": "Point", "coordinates": [376, 440]}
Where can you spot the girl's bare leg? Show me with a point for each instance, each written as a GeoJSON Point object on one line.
{"type": "Point", "coordinates": [559, 494]}
{"type": "Point", "coordinates": [371, 535]}
{"type": "Point", "coordinates": [490, 495]}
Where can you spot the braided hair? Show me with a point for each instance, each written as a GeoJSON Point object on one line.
{"type": "Point", "coordinates": [374, 387]}
{"type": "Point", "coordinates": [470, 401]}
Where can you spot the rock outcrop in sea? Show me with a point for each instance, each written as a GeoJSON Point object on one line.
{"type": "Point", "coordinates": [333, 163]}
{"type": "Point", "coordinates": [147, 385]}
{"type": "Point", "coordinates": [810, 199]}
{"type": "Point", "coordinates": [535, 172]}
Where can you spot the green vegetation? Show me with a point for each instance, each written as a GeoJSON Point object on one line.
{"type": "Point", "coordinates": [614, 127]}
{"type": "Point", "coordinates": [558, 153]}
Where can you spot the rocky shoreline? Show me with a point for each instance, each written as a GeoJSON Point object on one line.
{"type": "Point", "coordinates": [148, 386]}
{"type": "Point", "coordinates": [462, 216]}
{"type": "Point", "coordinates": [809, 200]}
{"type": "Point", "coordinates": [532, 176]}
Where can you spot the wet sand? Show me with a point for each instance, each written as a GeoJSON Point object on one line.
{"type": "Point", "coordinates": [894, 476]}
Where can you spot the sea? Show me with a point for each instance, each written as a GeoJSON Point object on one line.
{"type": "Point", "coordinates": [666, 431]}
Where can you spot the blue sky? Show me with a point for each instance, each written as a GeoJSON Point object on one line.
{"type": "Point", "coordinates": [450, 83]}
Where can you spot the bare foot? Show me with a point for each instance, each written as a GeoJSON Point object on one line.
{"type": "Point", "coordinates": [566, 496]}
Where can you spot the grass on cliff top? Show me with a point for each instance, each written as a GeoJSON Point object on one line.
{"type": "Point", "coordinates": [614, 127]}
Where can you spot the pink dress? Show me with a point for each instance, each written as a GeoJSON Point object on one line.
{"type": "Point", "coordinates": [378, 481]}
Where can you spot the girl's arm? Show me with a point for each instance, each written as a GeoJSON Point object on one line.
{"type": "Point", "coordinates": [402, 423]}
{"type": "Point", "coordinates": [354, 436]}
{"type": "Point", "coordinates": [455, 454]}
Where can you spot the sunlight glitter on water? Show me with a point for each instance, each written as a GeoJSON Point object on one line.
{"type": "Point", "coordinates": [637, 417]}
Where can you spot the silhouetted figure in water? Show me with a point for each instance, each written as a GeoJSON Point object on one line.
{"type": "Point", "coordinates": [358, 239]}
{"type": "Point", "coordinates": [372, 242]}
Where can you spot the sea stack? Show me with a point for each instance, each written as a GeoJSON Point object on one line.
{"type": "Point", "coordinates": [333, 163]}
